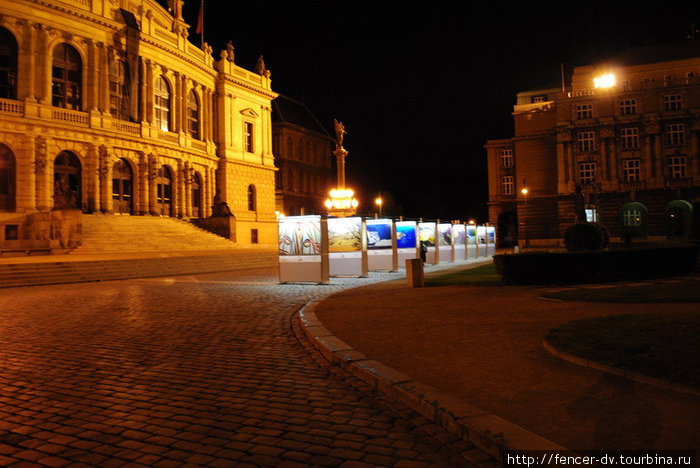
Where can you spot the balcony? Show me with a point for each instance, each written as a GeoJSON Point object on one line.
{"type": "Point", "coordinates": [11, 106]}
{"type": "Point", "coordinates": [629, 185]}
{"type": "Point", "coordinates": [678, 181]}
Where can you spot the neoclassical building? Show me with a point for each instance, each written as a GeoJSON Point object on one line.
{"type": "Point", "coordinates": [624, 134]}
{"type": "Point", "coordinates": [302, 148]}
{"type": "Point", "coordinates": [105, 106]}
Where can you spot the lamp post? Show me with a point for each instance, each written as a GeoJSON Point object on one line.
{"type": "Point", "coordinates": [379, 202]}
{"type": "Point", "coordinates": [525, 191]}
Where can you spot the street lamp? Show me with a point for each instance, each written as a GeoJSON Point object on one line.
{"type": "Point", "coordinates": [525, 191]}
{"type": "Point", "coordinates": [379, 202]}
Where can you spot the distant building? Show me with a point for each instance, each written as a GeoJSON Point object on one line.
{"type": "Point", "coordinates": [625, 132]}
{"type": "Point", "coordinates": [107, 107]}
{"type": "Point", "coordinates": [302, 149]}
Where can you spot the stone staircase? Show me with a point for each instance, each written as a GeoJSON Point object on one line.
{"type": "Point", "coordinates": [119, 234]}
{"type": "Point", "coordinates": [123, 247]}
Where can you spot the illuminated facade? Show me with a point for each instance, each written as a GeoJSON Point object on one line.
{"type": "Point", "coordinates": [625, 132]}
{"type": "Point", "coordinates": [105, 106]}
{"type": "Point", "coordinates": [302, 148]}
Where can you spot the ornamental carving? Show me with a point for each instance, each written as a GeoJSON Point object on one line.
{"type": "Point", "coordinates": [40, 161]}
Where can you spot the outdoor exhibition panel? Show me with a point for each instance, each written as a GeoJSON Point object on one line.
{"type": "Point", "coordinates": [303, 249]}
{"type": "Point", "coordinates": [381, 245]}
{"type": "Point", "coordinates": [347, 247]}
{"type": "Point", "coordinates": [472, 247]}
{"type": "Point", "coordinates": [444, 242]}
{"type": "Point", "coordinates": [459, 238]}
{"type": "Point", "coordinates": [490, 240]}
{"type": "Point", "coordinates": [407, 241]}
{"type": "Point", "coordinates": [427, 232]}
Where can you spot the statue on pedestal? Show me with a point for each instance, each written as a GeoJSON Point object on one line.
{"type": "Point", "coordinates": [220, 208]}
{"type": "Point", "coordinates": [339, 133]}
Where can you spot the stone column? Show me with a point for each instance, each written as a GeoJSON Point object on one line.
{"type": "Point", "coordinates": [92, 178]}
{"type": "Point", "coordinates": [46, 59]}
{"type": "Point", "coordinates": [175, 104]}
{"type": "Point", "coordinates": [94, 74]}
{"type": "Point", "coordinates": [152, 184]}
{"type": "Point", "coordinates": [144, 192]}
{"type": "Point", "coordinates": [42, 172]}
{"type": "Point", "coordinates": [187, 179]}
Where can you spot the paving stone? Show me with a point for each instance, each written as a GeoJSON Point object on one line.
{"type": "Point", "coordinates": [197, 370]}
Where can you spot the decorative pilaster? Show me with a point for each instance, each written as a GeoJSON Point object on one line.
{"type": "Point", "coordinates": [41, 171]}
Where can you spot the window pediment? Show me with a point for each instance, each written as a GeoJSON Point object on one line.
{"type": "Point", "coordinates": [249, 112]}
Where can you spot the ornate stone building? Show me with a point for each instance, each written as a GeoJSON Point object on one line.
{"type": "Point", "coordinates": [302, 148]}
{"type": "Point", "coordinates": [105, 106]}
{"type": "Point", "coordinates": [630, 142]}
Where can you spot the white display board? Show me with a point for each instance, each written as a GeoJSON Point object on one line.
{"type": "Point", "coordinates": [444, 242]}
{"type": "Point", "coordinates": [347, 247]}
{"type": "Point", "coordinates": [381, 245]}
{"type": "Point", "coordinates": [472, 246]}
{"type": "Point", "coordinates": [406, 241]}
{"type": "Point", "coordinates": [303, 249]}
{"type": "Point", "coordinates": [427, 232]}
{"type": "Point", "coordinates": [459, 242]}
{"type": "Point", "coordinates": [490, 241]}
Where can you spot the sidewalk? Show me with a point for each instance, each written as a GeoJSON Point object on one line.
{"type": "Point", "coordinates": [483, 346]}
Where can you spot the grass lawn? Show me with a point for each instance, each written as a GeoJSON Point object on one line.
{"type": "Point", "coordinates": [665, 345]}
{"type": "Point", "coordinates": [481, 276]}
{"type": "Point", "coordinates": [681, 291]}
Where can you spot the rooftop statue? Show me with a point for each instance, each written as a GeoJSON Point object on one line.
{"type": "Point", "coordinates": [339, 133]}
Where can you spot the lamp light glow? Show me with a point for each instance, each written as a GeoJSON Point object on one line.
{"type": "Point", "coordinates": [604, 81]}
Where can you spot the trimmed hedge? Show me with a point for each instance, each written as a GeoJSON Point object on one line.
{"type": "Point", "coordinates": [597, 266]}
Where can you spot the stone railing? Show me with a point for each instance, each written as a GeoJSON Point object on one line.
{"type": "Point", "coordinates": [678, 181]}
{"type": "Point", "coordinates": [170, 137]}
{"type": "Point", "coordinates": [127, 127]}
{"type": "Point", "coordinates": [11, 106]}
{"type": "Point", "coordinates": [200, 145]}
{"type": "Point", "coordinates": [70, 116]}
{"type": "Point", "coordinates": [633, 185]}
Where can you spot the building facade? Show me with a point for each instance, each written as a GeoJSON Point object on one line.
{"type": "Point", "coordinates": [302, 148]}
{"type": "Point", "coordinates": [624, 135]}
{"type": "Point", "coordinates": [105, 106]}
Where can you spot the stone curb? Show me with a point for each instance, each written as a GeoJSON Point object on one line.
{"type": "Point", "coordinates": [635, 376]}
{"type": "Point", "coordinates": [489, 433]}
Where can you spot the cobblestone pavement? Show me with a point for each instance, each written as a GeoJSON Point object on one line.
{"type": "Point", "coordinates": [204, 370]}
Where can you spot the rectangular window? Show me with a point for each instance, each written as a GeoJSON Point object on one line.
{"type": "Point", "coordinates": [507, 158]}
{"type": "Point", "coordinates": [586, 173]}
{"type": "Point", "coordinates": [630, 169]}
{"type": "Point", "coordinates": [631, 217]}
{"type": "Point", "coordinates": [628, 107]}
{"type": "Point", "coordinates": [248, 136]}
{"type": "Point", "coordinates": [672, 102]}
{"type": "Point", "coordinates": [584, 111]}
{"type": "Point", "coordinates": [585, 141]}
{"type": "Point", "coordinates": [676, 167]}
{"type": "Point", "coordinates": [630, 137]}
{"type": "Point", "coordinates": [507, 186]}
{"type": "Point", "coordinates": [675, 134]}
{"type": "Point", "coordinates": [540, 98]}
{"type": "Point", "coordinates": [591, 215]}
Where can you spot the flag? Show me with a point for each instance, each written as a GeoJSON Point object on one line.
{"type": "Point", "coordinates": [200, 18]}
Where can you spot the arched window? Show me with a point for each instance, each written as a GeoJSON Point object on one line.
{"type": "Point", "coordinates": [162, 104]}
{"type": "Point", "coordinates": [8, 65]}
{"type": "Point", "coordinates": [7, 179]}
{"type": "Point", "coordinates": [67, 183]}
{"type": "Point", "coordinates": [252, 202]}
{"type": "Point", "coordinates": [193, 115]}
{"type": "Point", "coordinates": [119, 90]}
{"type": "Point", "coordinates": [66, 73]}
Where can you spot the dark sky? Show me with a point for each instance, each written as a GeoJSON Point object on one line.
{"type": "Point", "coordinates": [421, 88]}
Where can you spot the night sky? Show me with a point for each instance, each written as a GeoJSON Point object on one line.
{"type": "Point", "coordinates": [421, 88]}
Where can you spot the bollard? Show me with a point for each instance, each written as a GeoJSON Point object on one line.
{"type": "Point", "coordinates": [414, 273]}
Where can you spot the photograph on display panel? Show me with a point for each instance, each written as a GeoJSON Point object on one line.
{"type": "Point", "coordinates": [445, 235]}
{"type": "Point", "coordinates": [344, 234]}
{"type": "Point", "coordinates": [427, 233]}
{"type": "Point", "coordinates": [379, 234]}
{"type": "Point", "coordinates": [459, 234]}
{"type": "Point", "coordinates": [406, 235]}
{"type": "Point", "coordinates": [471, 235]}
{"type": "Point", "coordinates": [300, 236]}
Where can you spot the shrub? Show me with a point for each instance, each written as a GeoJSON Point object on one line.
{"type": "Point", "coordinates": [586, 236]}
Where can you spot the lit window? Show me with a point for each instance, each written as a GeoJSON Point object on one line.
{"type": "Point", "coordinates": [630, 169]}
{"type": "Point", "coordinates": [675, 134]}
{"type": "Point", "coordinates": [628, 107]}
{"type": "Point", "coordinates": [630, 137]}
{"type": "Point", "coordinates": [585, 141]}
{"type": "Point", "coordinates": [586, 173]}
{"type": "Point", "coordinates": [676, 167]}
{"type": "Point", "coordinates": [672, 102]}
{"type": "Point", "coordinates": [507, 158]}
{"type": "Point", "coordinates": [162, 104]}
{"type": "Point", "coordinates": [631, 217]}
{"type": "Point", "coordinates": [66, 77]}
{"type": "Point", "coordinates": [584, 111]}
{"type": "Point", "coordinates": [591, 215]}
{"type": "Point", "coordinates": [248, 136]}
{"type": "Point", "coordinates": [118, 90]}
{"type": "Point", "coordinates": [540, 98]}
{"type": "Point", "coordinates": [193, 114]}
{"type": "Point", "coordinates": [507, 185]}
{"type": "Point", "coordinates": [8, 65]}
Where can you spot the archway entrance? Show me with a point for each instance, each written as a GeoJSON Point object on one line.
{"type": "Point", "coordinates": [164, 191]}
{"type": "Point", "coordinates": [122, 187]}
{"type": "Point", "coordinates": [196, 195]}
{"type": "Point", "coordinates": [67, 182]}
{"type": "Point", "coordinates": [7, 179]}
